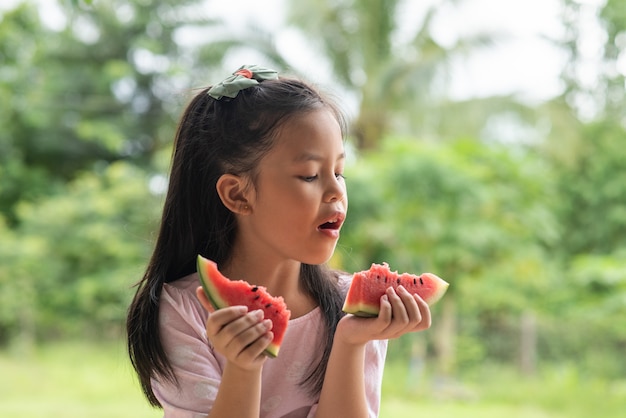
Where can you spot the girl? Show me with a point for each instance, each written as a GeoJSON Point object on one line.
{"type": "Point", "coordinates": [257, 186]}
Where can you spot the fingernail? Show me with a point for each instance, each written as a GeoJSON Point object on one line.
{"type": "Point", "coordinates": [258, 314]}
{"type": "Point", "coordinates": [267, 323]}
{"type": "Point", "coordinates": [385, 298]}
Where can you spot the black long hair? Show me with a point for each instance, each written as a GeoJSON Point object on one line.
{"type": "Point", "coordinates": [216, 137]}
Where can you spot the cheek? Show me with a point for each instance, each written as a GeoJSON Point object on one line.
{"type": "Point", "coordinates": [283, 204]}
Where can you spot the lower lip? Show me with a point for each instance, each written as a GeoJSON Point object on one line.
{"type": "Point", "coordinates": [330, 233]}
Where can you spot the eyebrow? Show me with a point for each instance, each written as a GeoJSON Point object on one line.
{"type": "Point", "coordinates": [309, 156]}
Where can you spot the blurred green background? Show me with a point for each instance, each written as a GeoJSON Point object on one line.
{"type": "Point", "coordinates": [519, 202]}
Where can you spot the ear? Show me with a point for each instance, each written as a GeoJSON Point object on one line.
{"type": "Point", "coordinates": [233, 191]}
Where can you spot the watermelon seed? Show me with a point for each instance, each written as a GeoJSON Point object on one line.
{"type": "Point", "coordinates": [415, 281]}
{"type": "Point", "coordinates": [421, 281]}
{"type": "Point", "coordinates": [398, 281]}
{"type": "Point", "coordinates": [268, 305]}
{"type": "Point", "coordinates": [254, 289]}
{"type": "Point", "coordinates": [257, 297]}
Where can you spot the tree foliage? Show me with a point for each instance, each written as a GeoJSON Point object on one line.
{"type": "Point", "coordinates": [99, 87]}
{"type": "Point", "coordinates": [69, 267]}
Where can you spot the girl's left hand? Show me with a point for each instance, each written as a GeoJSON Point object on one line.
{"type": "Point", "coordinates": [400, 312]}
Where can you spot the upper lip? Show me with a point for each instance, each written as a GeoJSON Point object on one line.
{"type": "Point", "coordinates": [334, 221]}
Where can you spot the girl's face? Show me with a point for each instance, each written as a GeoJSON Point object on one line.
{"type": "Point", "coordinates": [299, 201]}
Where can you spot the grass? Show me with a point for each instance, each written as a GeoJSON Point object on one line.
{"type": "Point", "coordinates": [74, 380]}
{"type": "Point", "coordinates": [70, 380]}
{"type": "Point", "coordinates": [495, 392]}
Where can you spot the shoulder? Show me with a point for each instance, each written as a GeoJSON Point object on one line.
{"type": "Point", "coordinates": [184, 284]}
{"type": "Point", "coordinates": [183, 289]}
{"type": "Point", "coordinates": [178, 301]}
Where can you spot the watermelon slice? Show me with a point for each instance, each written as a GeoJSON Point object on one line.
{"type": "Point", "coordinates": [223, 292]}
{"type": "Point", "coordinates": [368, 286]}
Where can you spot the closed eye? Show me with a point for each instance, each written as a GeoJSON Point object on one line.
{"type": "Point", "coordinates": [310, 179]}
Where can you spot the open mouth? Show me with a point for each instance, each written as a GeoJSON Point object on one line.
{"type": "Point", "coordinates": [333, 224]}
{"type": "Point", "coordinates": [330, 225]}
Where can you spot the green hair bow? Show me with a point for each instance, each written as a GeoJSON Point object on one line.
{"type": "Point", "coordinates": [246, 76]}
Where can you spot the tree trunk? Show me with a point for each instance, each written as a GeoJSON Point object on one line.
{"type": "Point", "coordinates": [416, 363]}
{"type": "Point", "coordinates": [369, 129]}
{"type": "Point", "coordinates": [528, 344]}
{"type": "Point", "coordinates": [444, 338]}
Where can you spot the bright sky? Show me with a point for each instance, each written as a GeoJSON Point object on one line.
{"type": "Point", "coordinates": [521, 62]}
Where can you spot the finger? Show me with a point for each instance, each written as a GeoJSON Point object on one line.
{"type": "Point", "coordinates": [248, 337]}
{"type": "Point", "coordinates": [204, 300]}
{"type": "Point", "coordinates": [400, 315]}
{"type": "Point", "coordinates": [385, 314]}
{"type": "Point", "coordinates": [239, 325]}
{"type": "Point", "coordinates": [221, 318]}
{"type": "Point", "coordinates": [424, 309]}
{"type": "Point", "coordinates": [255, 350]}
{"type": "Point", "coordinates": [410, 305]}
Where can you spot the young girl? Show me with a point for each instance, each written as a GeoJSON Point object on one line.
{"type": "Point", "coordinates": [257, 186]}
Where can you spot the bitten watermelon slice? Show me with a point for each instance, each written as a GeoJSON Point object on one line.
{"type": "Point", "coordinates": [223, 292]}
{"type": "Point", "coordinates": [368, 286]}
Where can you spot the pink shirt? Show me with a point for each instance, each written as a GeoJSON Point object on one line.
{"type": "Point", "coordinates": [199, 368]}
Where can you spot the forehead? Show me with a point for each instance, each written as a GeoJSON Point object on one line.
{"type": "Point", "coordinates": [310, 135]}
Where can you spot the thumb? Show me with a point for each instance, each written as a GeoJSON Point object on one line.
{"type": "Point", "coordinates": [204, 300]}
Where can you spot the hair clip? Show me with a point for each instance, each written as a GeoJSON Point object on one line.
{"type": "Point", "coordinates": [246, 76]}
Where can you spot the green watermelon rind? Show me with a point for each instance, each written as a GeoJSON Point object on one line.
{"type": "Point", "coordinates": [203, 267]}
{"type": "Point", "coordinates": [210, 291]}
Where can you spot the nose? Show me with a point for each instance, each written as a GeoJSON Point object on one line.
{"type": "Point", "coordinates": [335, 191]}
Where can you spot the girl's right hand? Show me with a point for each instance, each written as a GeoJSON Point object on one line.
{"type": "Point", "coordinates": [237, 334]}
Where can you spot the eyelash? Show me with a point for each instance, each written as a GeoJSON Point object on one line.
{"type": "Point", "coordinates": [309, 179]}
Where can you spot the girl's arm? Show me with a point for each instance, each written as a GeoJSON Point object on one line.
{"type": "Point", "coordinates": [239, 394]}
{"type": "Point", "coordinates": [241, 337]}
{"type": "Point", "coordinates": [343, 393]}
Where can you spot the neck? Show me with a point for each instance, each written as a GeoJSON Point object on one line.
{"type": "Point", "coordinates": [279, 277]}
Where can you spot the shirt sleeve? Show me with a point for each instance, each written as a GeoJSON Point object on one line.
{"type": "Point", "coordinates": [375, 354]}
{"type": "Point", "coordinates": [197, 369]}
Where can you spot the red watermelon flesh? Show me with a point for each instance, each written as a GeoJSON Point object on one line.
{"type": "Point", "coordinates": [368, 286]}
{"type": "Point", "coordinates": [223, 292]}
